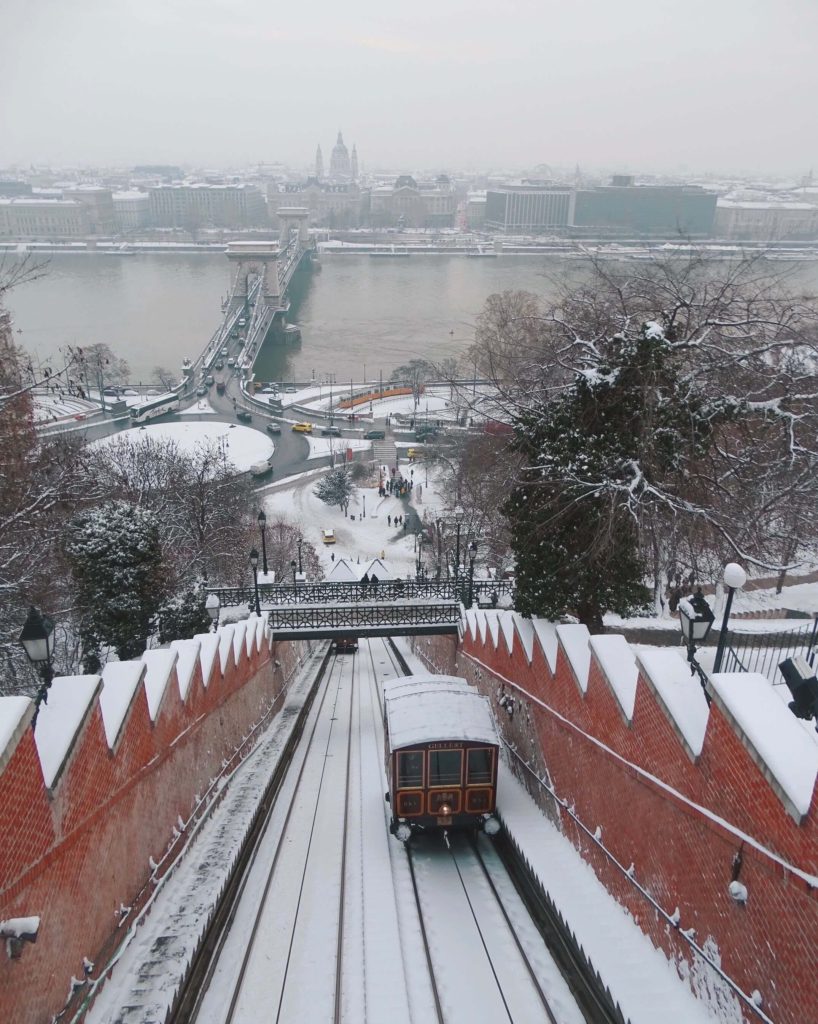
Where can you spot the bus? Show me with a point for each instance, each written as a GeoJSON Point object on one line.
{"type": "Point", "coordinates": [157, 406]}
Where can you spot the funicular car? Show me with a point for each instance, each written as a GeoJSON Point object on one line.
{"type": "Point", "coordinates": [441, 751]}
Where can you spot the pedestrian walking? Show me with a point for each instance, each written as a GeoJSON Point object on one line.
{"type": "Point", "coordinates": [389, 520]}
{"type": "Point", "coordinates": [332, 556]}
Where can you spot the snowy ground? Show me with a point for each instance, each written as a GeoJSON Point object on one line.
{"type": "Point", "coordinates": [321, 447]}
{"type": "Point", "coordinates": [50, 407]}
{"type": "Point", "coordinates": [358, 538]}
{"type": "Point", "coordinates": [199, 408]}
{"type": "Point", "coordinates": [243, 445]}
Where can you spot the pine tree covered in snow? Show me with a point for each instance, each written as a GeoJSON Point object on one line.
{"type": "Point", "coordinates": [336, 488]}
{"type": "Point", "coordinates": [184, 615]}
{"type": "Point", "coordinates": [116, 563]}
{"type": "Point", "coordinates": [619, 424]}
{"type": "Point", "coordinates": [666, 422]}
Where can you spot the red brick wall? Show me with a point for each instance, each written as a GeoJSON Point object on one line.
{"type": "Point", "coordinates": [681, 855]}
{"type": "Point", "coordinates": [76, 855]}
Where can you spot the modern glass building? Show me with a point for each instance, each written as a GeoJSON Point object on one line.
{"type": "Point", "coordinates": [529, 208]}
{"type": "Point", "coordinates": [658, 210]}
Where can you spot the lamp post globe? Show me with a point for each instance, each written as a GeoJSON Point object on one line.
{"type": "Point", "coordinates": [734, 576]}
{"type": "Point", "coordinates": [37, 640]}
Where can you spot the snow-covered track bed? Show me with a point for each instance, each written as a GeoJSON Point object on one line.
{"type": "Point", "coordinates": [277, 961]}
{"type": "Point", "coordinates": [487, 959]}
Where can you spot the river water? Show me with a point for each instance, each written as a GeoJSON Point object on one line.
{"type": "Point", "coordinates": [358, 315]}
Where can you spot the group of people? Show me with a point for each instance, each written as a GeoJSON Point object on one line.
{"type": "Point", "coordinates": [399, 520]}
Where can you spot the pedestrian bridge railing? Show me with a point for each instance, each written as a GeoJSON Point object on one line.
{"type": "Point", "coordinates": [344, 593]}
{"type": "Point", "coordinates": [407, 618]}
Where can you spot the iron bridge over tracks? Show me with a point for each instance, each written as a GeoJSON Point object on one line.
{"type": "Point", "coordinates": [428, 591]}
{"type": "Point", "coordinates": [322, 621]}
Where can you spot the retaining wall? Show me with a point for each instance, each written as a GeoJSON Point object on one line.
{"type": "Point", "coordinates": [94, 802]}
{"type": "Point", "coordinates": [687, 798]}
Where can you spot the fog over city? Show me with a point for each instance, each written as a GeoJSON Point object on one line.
{"type": "Point", "coordinates": [648, 85]}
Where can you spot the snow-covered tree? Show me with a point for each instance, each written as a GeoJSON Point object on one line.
{"type": "Point", "coordinates": [184, 615]}
{"type": "Point", "coordinates": [669, 409]}
{"type": "Point", "coordinates": [116, 563]}
{"type": "Point", "coordinates": [336, 488]}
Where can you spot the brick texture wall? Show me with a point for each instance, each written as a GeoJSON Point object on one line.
{"type": "Point", "coordinates": [76, 854]}
{"type": "Point", "coordinates": [675, 828]}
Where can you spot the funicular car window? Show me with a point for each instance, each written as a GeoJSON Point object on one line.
{"type": "Point", "coordinates": [479, 766]}
{"type": "Point", "coordinates": [410, 769]}
{"type": "Point", "coordinates": [478, 800]}
{"type": "Point", "coordinates": [445, 767]}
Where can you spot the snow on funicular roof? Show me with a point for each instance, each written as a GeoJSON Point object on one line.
{"type": "Point", "coordinates": [406, 684]}
{"type": "Point", "coordinates": [429, 712]}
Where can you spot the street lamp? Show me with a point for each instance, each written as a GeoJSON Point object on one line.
{"type": "Point", "coordinates": [37, 638]}
{"type": "Point", "coordinates": [734, 579]}
{"type": "Point", "coordinates": [293, 566]}
{"type": "Point", "coordinates": [696, 619]}
{"type": "Point", "coordinates": [299, 542]}
{"type": "Point", "coordinates": [213, 607]}
{"type": "Point", "coordinates": [254, 564]}
{"type": "Point", "coordinates": [262, 522]}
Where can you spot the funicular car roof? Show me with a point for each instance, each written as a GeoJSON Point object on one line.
{"type": "Point", "coordinates": [432, 709]}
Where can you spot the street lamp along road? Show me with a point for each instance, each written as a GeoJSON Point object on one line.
{"type": "Point", "coordinates": [300, 569]}
{"type": "Point", "coordinates": [734, 579]}
{"type": "Point", "coordinates": [37, 639]}
{"type": "Point", "coordinates": [254, 564]}
{"type": "Point", "coordinates": [262, 522]}
{"type": "Point", "coordinates": [696, 618]}
{"type": "Point", "coordinates": [472, 556]}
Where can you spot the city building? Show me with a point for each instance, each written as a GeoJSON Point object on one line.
{"type": "Point", "coordinates": [475, 211]}
{"type": "Point", "coordinates": [331, 204]}
{"type": "Point", "coordinates": [197, 205]}
{"type": "Point", "coordinates": [623, 208]}
{"type": "Point", "coordinates": [13, 187]}
{"type": "Point", "coordinates": [529, 207]}
{"type": "Point", "coordinates": [99, 203]}
{"type": "Point", "coordinates": [413, 204]}
{"type": "Point", "coordinates": [766, 220]}
{"type": "Point", "coordinates": [41, 219]}
{"type": "Point", "coordinates": [340, 165]}
{"type": "Point", "coordinates": [132, 210]}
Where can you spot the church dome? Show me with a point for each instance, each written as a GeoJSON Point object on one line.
{"type": "Point", "coordinates": [339, 165]}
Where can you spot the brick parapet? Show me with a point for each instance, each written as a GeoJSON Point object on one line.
{"type": "Point", "coordinates": [688, 821]}
{"type": "Point", "coordinates": [76, 853]}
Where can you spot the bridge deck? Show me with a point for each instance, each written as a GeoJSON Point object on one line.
{"type": "Point", "coordinates": [399, 618]}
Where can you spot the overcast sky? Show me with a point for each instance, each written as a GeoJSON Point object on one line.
{"type": "Point", "coordinates": [722, 85]}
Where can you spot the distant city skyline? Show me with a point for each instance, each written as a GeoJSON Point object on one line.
{"type": "Point", "coordinates": [645, 86]}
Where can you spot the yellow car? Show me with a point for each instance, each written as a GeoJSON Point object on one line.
{"type": "Point", "coordinates": [413, 454]}
{"type": "Point", "coordinates": [303, 428]}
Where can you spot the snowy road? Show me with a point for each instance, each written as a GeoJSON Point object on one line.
{"type": "Point", "coordinates": [328, 928]}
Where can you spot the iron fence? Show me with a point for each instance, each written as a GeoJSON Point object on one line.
{"type": "Point", "coordinates": [363, 619]}
{"type": "Point", "coordinates": [346, 593]}
{"type": "Point", "coordinates": [764, 652]}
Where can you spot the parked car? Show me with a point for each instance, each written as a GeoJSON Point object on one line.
{"type": "Point", "coordinates": [413, 453]}
{"type": "Point", "coordinates": [223, 353]}
{"type": "Point", "coordinates": [291, 390]}
{"type": "Point", "coordinates": [231, 362]}
{"type": "Point", "coordinates": [201, 390]}
{"type": "Point", "coordinates": [330, 432]}
{"type": "Point", "coordinates": [244, 416]}
{"type": "Point", "coordinates": [220, 388]}
{"type": "Point", "coordinates": [302, 428]}
{"type": "Point", "coordinates": [423, 433]}
{"type": "Point", "coordinates": [219, 365]}
{"type": "Point", "coordinates": [209, 379]}
{"type": "Point", "coordinates": [328, 536]}
{"type": "Point", "coordinates": [273, 428]}
{"type": "Point", "coordinates": [375, 435]}
{"type": "Point", "coordinates": [261, 468]}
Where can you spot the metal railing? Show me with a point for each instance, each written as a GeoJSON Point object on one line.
{"type": "Point", "coordinates": [363, 619]}
{"type": "Point", "coordinates": [764, 652]}
{"type": "Point", "coordinates": [276, 594]}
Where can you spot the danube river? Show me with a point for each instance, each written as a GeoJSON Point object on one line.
{"type": "Point", "coordinates": [358, 315]}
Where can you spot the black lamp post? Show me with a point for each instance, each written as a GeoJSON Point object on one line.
{"type": "Point", "coordinates": [293, 566]}
{"type": "Point", "coordinates": [696, 618]}
{"type": "Point", "coordinates": [300, 569]}
{"type": "Point", "coordinates": [472, 556]}
{"type": "Point", "coordinates": [254, 564]}
{"type": "Point", "coordinates": [262, 522]}
{"type": "Point", "coordinates": [734, 579]}
{"type": "Point", "coordinates": [213, 607]}
{"type": "Point", "coordinates": [37, 638]}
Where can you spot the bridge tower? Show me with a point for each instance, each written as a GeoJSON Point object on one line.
{"type": "Point", "coordinates": [293, 217]}
{"type": "Point", "coordinates": [259, 259]}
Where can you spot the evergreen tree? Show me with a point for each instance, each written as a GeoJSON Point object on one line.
{"type": "Point", "coordinates": [336, 488]}
{"type": "Point", "coordinates": [620, 427]}
{"type": "Point", "coordinates": [185, 615]}
{"type": "Point", "coordinates": [116, 563]}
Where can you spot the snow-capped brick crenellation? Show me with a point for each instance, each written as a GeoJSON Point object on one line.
{"type": "Point", "coordinates": [106, 786]}
{"type": "Point", "coordinates": [693, 797]}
